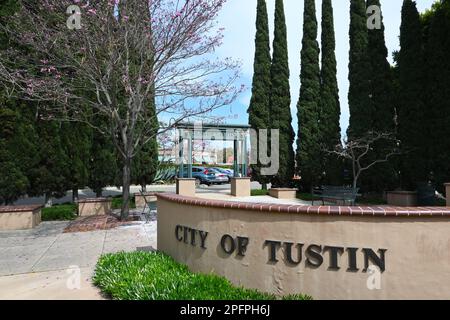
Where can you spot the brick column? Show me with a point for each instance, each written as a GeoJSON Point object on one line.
{"type": "Point", "coordinates": [186, 187]}
{"type": "Point", "coordinates": [240, 187]}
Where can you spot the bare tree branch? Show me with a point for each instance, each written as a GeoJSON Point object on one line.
{"type": "Point", "coordinates": [360, 151]}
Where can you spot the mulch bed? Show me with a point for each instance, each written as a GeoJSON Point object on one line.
{"type": "Point", "coordinates": [94, 223]}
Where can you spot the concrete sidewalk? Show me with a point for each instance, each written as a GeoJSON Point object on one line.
{"type": "Point", "coordinates": [39, 263]}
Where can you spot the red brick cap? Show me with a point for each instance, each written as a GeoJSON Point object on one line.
{"type": "Point", "coordinates": [4, 209]}
{"type": "Point", "coordinates": [375, 211]}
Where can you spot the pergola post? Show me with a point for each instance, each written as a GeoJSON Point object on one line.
{"type": "Point", "coordinates": [190, 157]}
{"type": "Point", "coordinates": [235, 161]}
{"type": "Point", "coordinates": [244, 159]}
{"type": "Point", "coordinates": [181, 155]}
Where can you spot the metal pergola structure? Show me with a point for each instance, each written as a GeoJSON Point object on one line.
{"type": "Point", "coordinates": [191, 132]}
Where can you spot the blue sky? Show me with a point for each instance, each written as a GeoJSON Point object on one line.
{"type": "Point", "coordinates": [238, 18]}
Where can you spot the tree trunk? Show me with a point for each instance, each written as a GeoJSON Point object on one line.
{"type": "Point", "coordinates": [144, 187]}
{"type": "Point", "coordinates": [126, 181]}
{"type": "Point", "coordinates": [264, 186]}
{"type": "Point", "coordinates": [99, 193]}
{"type": "Point", "coordinates": [75, 194]}
{"type": "Point", "coordinates": [48, 200]}
{"type": "Point", "coordinates": [355, 181]}
{"type": "Point", "coordinates": [355, 175]}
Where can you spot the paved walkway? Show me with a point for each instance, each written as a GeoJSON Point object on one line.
{"type": "Point", "coordinates": [44, 263]}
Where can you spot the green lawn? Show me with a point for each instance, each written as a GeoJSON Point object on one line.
{"type": "Point", "coordinates": [156, 276]}
{"type": "Point", "coordinates": [259, 192]}
{"type": "Point", "coordinates": [61, 212]}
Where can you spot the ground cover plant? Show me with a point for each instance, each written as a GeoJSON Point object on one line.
{"type": "Point", "coordinates": [156, 276]}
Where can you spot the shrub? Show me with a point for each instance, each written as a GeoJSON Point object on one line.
{"type": "Point", "coordinates": [259, 192]}
{"type": "Point", "coordinates": [60, 213]}
{"type": "Point", "coordinates": [156, 276]}
{"type": "Point", "coordinates": [117, 203]}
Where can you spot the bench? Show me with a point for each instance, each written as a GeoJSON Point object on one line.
{"type": "Point", "coordinates": [332, 193]}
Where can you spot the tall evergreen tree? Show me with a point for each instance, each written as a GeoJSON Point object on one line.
{"type": "Point", "coordinates": [17, 136]}
{"type": "Point", "coordinates": [382, 100]}
{"type": "Point", "coordinates": [145, 163]}
{"type": "Point", "coordinates": [280, 100]}
{"type": "Point", "coordinates": [18, 149]}
{"type": "Point", "coordinates": [308, 139]}
{"type": "Point", "coordinates": [437, 91]}
{"type": "Point", "coordinates": [50, 176]}
{"type": "Point", "coordinates": [380, 78]}
{"type": "Point", "coordinates": [76, 141]}
{"type": "Point", "coordinates": [103, 168]}
{"type": "Point", "coordinates": [360, 105]}
{"type": "Point", "coordinates": [330, 110]}
{"type": "Point", "coordinates": [259, 116]}
{"type": "Point", "coordinates": [414, 166]}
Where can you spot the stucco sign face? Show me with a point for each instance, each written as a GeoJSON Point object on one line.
{"type": "Point", "coordinates": [312, 255]}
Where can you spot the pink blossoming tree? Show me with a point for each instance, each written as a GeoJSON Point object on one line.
{"type": "Point", "coordinates": [123, 56]}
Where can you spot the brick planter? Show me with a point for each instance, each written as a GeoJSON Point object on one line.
{"type": "Point", "coordinates": [20, 217]}
{"type": "Point", "coordinates": [402, 198]}
{"type": "Point", "coordinates": [412, 243]}
{"type": "Point", "coordinates": [240, 187]}
{"type": "Point", "coordinates": [283, 193]}
{"type": "Point", "coordinates": [94, 206]}
{"type": "Point", "coordinates": [140, 201]}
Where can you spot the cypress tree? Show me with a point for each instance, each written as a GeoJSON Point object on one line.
{"type": "Point", "coordinates": [411, 112]}
{"type": "Point", "coordinates": [103, 168]}
{"type": "Point", "coordinates": [380, 78]}
{"type": "Point", "coordinates": [76, 140]}
{"type": "Point", "coordinates": [330, 111]}
{"type": "Point", "coordinates": [259, 116]}
{"type": "Point", "coordinates": [16, 152]}
{"type": "Point", "coordinates": [145, 163]}
{"type": "Point", "coordinates": [50, 176]}
{"type": "Point", "coordinates": [382, 99]}
{"type": "Point", "coordinates": [17, 136]}
{"type": "Point", "coordinates": [7, 8]}
{"type": "Point", "coordinates": [308, 143]}
{"type": "Point", "coordinates": [437, 92]}
{"type": "Point", "coordinates": [360, 105]}
{"type": "Point", "coordinates": [280, 100]}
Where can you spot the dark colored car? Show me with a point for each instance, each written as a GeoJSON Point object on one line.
{"type": "Point", "coordinates": [208, 176]}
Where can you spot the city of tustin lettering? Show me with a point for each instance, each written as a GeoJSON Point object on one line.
{"type": "Point", "coordinates": [314, 256]}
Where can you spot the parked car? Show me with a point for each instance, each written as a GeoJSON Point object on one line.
{"type": "Point", "coordinates": [221, 177]}
{"type": "Point", "coordinates": [208, 176]}
{"type": "Point", "coordinates": [228, 172]}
